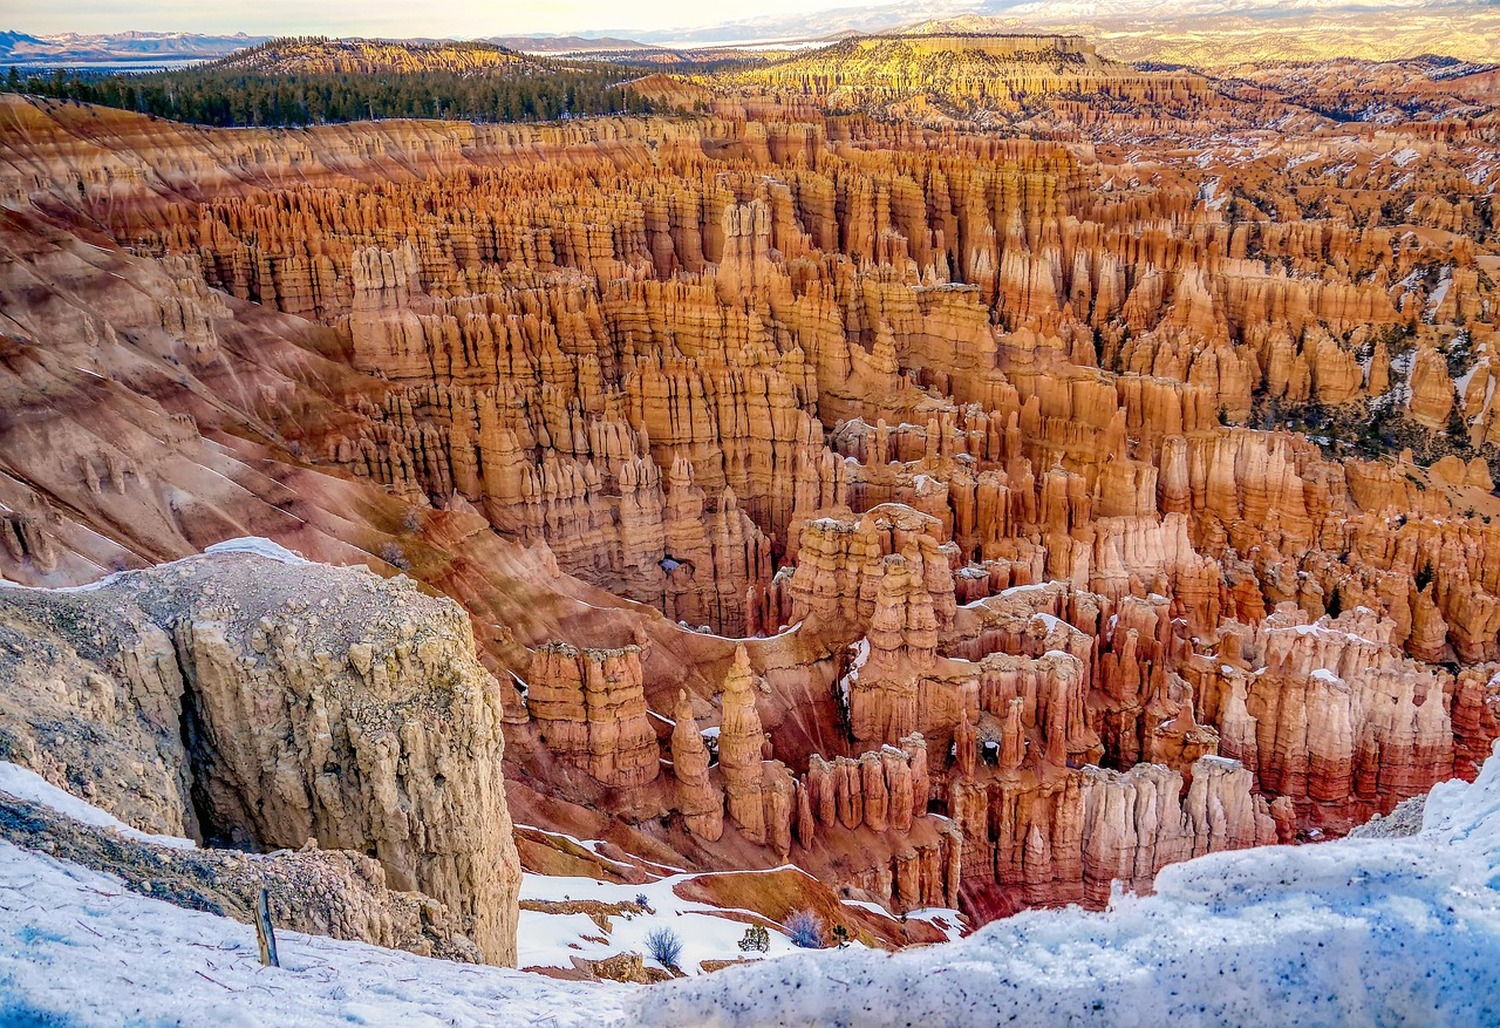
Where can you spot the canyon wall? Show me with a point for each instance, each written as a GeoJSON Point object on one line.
{"type": "Point", "coordinates": [965, 519]}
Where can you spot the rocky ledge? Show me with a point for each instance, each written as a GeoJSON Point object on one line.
{"type": "Point", "coordinates": [252, 701]}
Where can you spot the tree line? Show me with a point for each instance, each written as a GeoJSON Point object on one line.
{"type": "Point", "coordinates": [224, 97]}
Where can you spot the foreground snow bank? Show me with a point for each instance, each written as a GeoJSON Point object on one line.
{"type": "Point", "coordinates": [1360, 932]}
{"type": "Point", "coordinates": [77, 949]}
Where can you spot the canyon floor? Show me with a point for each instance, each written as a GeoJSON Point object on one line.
{"type": "Point", "coordinates": [905, 483]}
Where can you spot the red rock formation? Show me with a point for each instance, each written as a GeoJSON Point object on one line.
{"type": "Point", "coordinates": [970, 412]}
{"type": "Point", "coordinates": [699, 800]}
{"type": "Point", "coordinates": [742, 744]}
{"type": "Point", "coordinates": [1344, 721]}
{"type": "Point", "coordinates": [589, 707]}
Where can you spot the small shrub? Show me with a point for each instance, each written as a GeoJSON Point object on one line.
{"type": "Point", "coordinates": [756, 938]}
{"type": "Point", "coordinates": [805, 929]}
{"type": "Point", "coordinates": [642, 902]}
{"type": "Point", "coordinates": [392, 553]}
{"type": "Point", "coordinates": [840, 936]}
{"type": "Point", "coordinates": [665, 946]}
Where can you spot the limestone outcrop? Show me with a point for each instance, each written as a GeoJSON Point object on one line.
{"type": "Point", "coordinates": [698, 798]}
{"type": "Point", "coordinates": [589, 707]}
{"type": "Point", "coordinates": [264, 703]}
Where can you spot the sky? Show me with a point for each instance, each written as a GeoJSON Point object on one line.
{"type": "Point", "coordinates": [396, 18]}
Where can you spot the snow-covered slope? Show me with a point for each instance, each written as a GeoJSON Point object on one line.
{"type": "Point", "coordinates": [32, 787]}
{"type": "Point", "coordinates": [1401, 931]}
{"type": "Point", "coordinates": [551, 938]}
{"type": "Point", "coordinates": [1358, 932]}
{"type": "Point", "coordinates": [77, 949]}
{"type": "Point", "coordinates": [548, 939]}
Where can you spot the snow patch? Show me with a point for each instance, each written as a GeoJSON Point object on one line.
{"type": "Point", "coordinates": [258, 546]}
{"type": "Point", "coordinates": [77, 948]}
{"type": "Point", "coordinates": [1050, 620]}
{"type": "Point", "coordinates": [552, 940]}
{"type": "Point", "coordinates": [27, 785]}
{"type": "Point", "coordinates": [850, 677]}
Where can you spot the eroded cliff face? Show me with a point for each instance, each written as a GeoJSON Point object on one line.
{"type": "Point", "coordinates": [1054, 510]}
{"type": "Point", "coordinates": [250, 702]}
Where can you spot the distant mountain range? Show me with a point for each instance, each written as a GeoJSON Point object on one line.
{"type": "Point", "coordinates": [1131, 30]}
{"type": "Point", "coordinates": [567, 44]}
{"type": "Point", "coordinates": [814, 24]}
{"type": "Point", "coordinates": [150, 49]}
{"type": "Point", "coordinates": [1039, 15]}
{"type": "Point", "coordinates": [122, 48]}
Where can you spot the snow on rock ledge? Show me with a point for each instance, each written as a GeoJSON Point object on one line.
{"type": "Point", "coordinates": [25, 784]}
{"type": "Point", "coordinates": [258, 546]}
